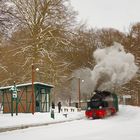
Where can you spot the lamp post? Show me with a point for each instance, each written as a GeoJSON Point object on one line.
{"type": "Point", "coordinates": [14, 97]}
{"type": "Point", "coordinates": [79, 92]}
{"type": "Point", "coordinates": [138, 93]}
{"type": "Point", "coordinates": [79, 89]}
{"type": "Point", "coordinates": [33, 106]}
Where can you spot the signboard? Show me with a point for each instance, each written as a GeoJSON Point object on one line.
{"type": "Point", "coordinates": [14, 92]}
{"type": "Point", "coordinates": [14, 96]}
{"type": "Point", "coordinates": [127, 96]}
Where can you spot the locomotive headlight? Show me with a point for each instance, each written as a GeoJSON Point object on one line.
{"type": "Point", "coordinates": [100, 107]}
{"type": "Point", "coordinates": [88, 108]}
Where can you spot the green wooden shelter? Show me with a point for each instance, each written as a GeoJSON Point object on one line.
{"type": "Point", "coordinates": [22, 100]}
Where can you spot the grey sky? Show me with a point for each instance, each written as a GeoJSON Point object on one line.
{"type": "Point", "coordinates": [118, 14]}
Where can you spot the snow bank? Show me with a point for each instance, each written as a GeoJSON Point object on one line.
{"type": "Point", "coordinates": [125, 125]}
{"type": "Point", "coordinates": [22, 119]}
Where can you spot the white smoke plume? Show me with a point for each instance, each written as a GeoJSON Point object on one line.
{"type": "Point", "coordinates": [86, 83]}
{"type": "Point", "coordinates": [114, 67]}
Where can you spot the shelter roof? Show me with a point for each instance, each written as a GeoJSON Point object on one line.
{"type": "Point", "coordinates": [27, 84]}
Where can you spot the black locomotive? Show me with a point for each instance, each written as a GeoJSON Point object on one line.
{"type": "Point", "coordinates": [102, 104]}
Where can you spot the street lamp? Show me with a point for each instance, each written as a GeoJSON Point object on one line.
{"type": "Point", "coordinates": [37, 69]}
{"type": "Point", "coordinates": [33, 79]}
{"type": "Point", "coordinates": [79, 92]}
{"type": "Point", "coordinates": [79, 89]}
{"type": "Point", "coordinates": [33, 106]}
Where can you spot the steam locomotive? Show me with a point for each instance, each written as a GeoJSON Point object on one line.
{"type": "Point", "coordinates": [102, 104]}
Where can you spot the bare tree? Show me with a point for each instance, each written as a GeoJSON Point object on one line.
{"type": "Point", "coordinates": [6, 21]}
{"type": "Point", "coordinates": [41, 18]}
{"type": "Point", "coordinates": [107, 36]}
{"type": "Point", "coordinates": [42, 27]}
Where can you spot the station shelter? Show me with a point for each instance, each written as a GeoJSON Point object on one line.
{"type": "Point", "coordinates": [23, 100]}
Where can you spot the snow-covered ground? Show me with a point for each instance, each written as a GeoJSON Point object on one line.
{"type": "Point", "coordinates": [24, 119]}
{"type": "Point", "coordinates": [125, 125]}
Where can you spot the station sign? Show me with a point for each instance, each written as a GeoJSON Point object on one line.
{"type": "Point", "coordinates": [14, 91]}
{"type": "Point", "coordinates": [127, 96]}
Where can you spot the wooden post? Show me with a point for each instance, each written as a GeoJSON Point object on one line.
{"type": "Point", "coordinates": [79, 93]}
{"type": "Point", "coordinates": [11, 104]}
{"type": "Point", "coordinates": [33, 106]}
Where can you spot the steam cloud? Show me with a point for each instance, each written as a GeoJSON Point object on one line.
{"type": "Point", "coordinates": [114, 67]}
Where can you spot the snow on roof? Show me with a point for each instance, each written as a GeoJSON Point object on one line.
{"type": "Point", "coordinates": [27, 84]}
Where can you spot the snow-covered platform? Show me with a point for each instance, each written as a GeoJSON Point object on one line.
{"type": "Point", "coordinates": [25, 120]}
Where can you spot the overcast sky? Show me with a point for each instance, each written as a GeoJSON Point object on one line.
{"type": "Point", "coordinates": [118, 14]}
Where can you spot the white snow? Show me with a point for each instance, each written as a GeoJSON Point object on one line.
{"type": "Point", "coordinates": [6, 120]}
{"type": "Point", "coordinates": [125, 125]}
{"type": "Point", "coordinates": [27, 84]}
